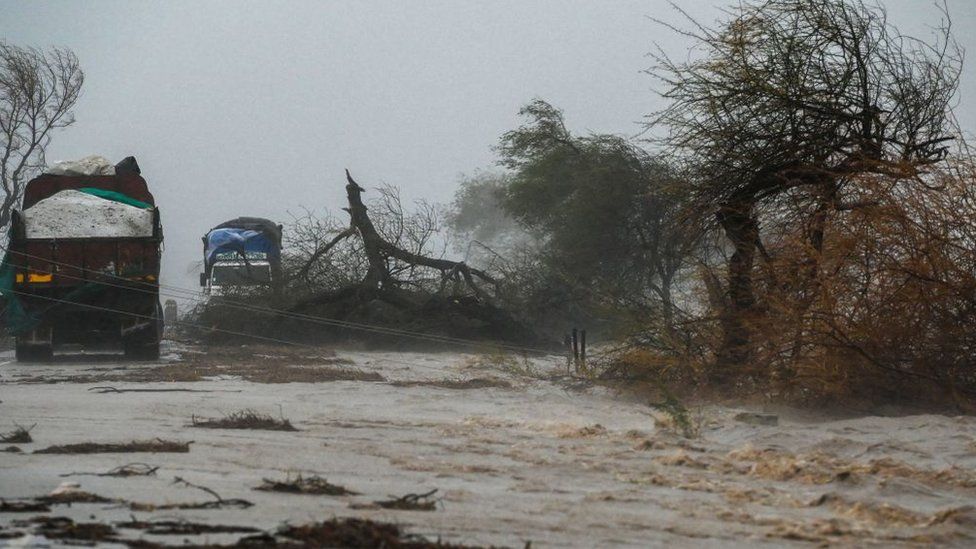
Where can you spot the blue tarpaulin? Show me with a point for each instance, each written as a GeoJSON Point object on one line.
{"type": "Point", "coordinates": [240, 243]}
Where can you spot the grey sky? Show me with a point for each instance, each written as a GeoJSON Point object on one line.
{"type": "Point", "coordinates": [255, 108]}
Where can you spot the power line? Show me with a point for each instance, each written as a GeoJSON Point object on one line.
{"type": "Point", "coordinates": [134, 285]}
{"type": "Point", "coordinates": [150, 317]}
{"type": "Point", "coordinates": [200, 326]}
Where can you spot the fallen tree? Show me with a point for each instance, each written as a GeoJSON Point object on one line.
{"type": "Point", "coordinates": [380, 271]}
{"type": "Point", "coordinates": [380, 281]}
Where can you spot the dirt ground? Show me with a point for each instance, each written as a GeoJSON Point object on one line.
{"type": "Point", "coordinates": [516, 450]}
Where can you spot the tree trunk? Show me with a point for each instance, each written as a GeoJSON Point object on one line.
{"type": "Point", "coordinates": [809, 280]}
{"type": "Point", "coordinates": [742, 230]}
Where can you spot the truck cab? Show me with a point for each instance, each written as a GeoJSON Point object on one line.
{"type": "Point", "coordinates": [231, 271]}
{"type": "Point", "coordinates": [241, 254]}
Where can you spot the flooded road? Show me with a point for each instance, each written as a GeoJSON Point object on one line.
{"type": "Point", "coordinates": [517, 451]}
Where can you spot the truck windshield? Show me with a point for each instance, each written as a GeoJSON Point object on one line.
{"type": "Point", "coordinates": [241, 275]}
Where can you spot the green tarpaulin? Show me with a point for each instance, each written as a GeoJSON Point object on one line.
{"type": "Point", "coordinates": [115, 197]}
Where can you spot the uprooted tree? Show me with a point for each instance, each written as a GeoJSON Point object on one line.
{"type": "Point", "coordinates": [384, 269]}
{"type": "Point", "coordinates": [382, 256]}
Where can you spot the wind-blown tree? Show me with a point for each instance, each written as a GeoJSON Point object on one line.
{"type": "Point", "coordinates": [478, 218]}
{"type": "Point", "coordinates": [608, 213]}
{"type": "Point", "coordinates": [787, 109]}
{"type": "Point", "coordinates": [38, 91]}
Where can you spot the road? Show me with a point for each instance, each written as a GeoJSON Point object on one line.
{"type": "Point", "coordinates": [517, 451]}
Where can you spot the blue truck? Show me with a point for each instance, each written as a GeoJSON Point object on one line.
{"type": "Point", "coordinates": [241, 253]}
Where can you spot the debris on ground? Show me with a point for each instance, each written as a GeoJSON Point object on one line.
{"type": "Point", "coordinates": [410, 502]}
{"type": "Point", "coordinates": [73, 496]}
{"type": "Point", "coordinates": [127, 470]}
{"type": "Point", "coordinates": [754, 418]}
{"type": "Point", "coordinates": [20, 435]}
{"type": "Point", "coordinates": [152, 446]}
{"type": "Point", "coordinates": [12, 450]}
{"type": "Point", "coordinates": [347, 532]}
{"type": "Point", "coordinates": [354, 532]}
{"type": "Point", "coordinates": [65, 528]}
{"type": "Point", "coordinates": [70, 492]}
{"type": "Point", "coordinates": [313, 485]}
{"type": "Point", "coordinates": [10, 534]}
{"type": "Point", "coordinates": [474, 383]}
{"type": "Point", "coordinates": [183, 528]}
{"type": "Point", "coordinates": [107, 389]}
{"type": "Point", "coordinates": [233, 503]}
{"type": "Point", "coordinates": [216, 503]}
{"type": "Point", "coordinates": [30, 506]}
{"type": "Point", "coordinates": [256, 364]}
{"type": "Point", "coordinates": [245, 419]}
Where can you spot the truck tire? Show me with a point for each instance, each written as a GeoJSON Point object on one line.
{"type": "Point", "coordinates": [24, 353]}
{"type": "Point", "coordinates": [141, 348]}
{"type": "Point", "coordinates": [144, 344]}
{"type": "Point", "coordinates": [34, 353]}
{"type": "Point", "coordinates": [142, 352]}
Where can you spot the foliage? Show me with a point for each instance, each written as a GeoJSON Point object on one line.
{"type": "Point", "coordinates": [38, 91]}
{"type": "Point", "coordinates": [796, 114]}
{"type": "Point", "coordinates": [479, 219]}
{"type": "Point", "coordinates": [890, 314]}
{"type": "Point", "coordinates": [600, 233]}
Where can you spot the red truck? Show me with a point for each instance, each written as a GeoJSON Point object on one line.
{"type": "Point", "coordinates": [84, 253]}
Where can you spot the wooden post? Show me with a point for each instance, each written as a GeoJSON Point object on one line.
{"type": "Point", "coordinates": [568, 343]}
{"type": "Point", "coordinates": [576, 349]}
{"type": "Point", "coordinates": [583, 348]}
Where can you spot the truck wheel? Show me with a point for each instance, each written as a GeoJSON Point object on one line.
{"type": "Point", "coordinates": [24, 353]}
{"type": "Point", "coordinates": [34, 353]}
{"type": "Point", "coordinates": [138, 348]}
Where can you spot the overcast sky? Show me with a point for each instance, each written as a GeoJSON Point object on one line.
{"type": "Point", "coordinates": [254, 108]}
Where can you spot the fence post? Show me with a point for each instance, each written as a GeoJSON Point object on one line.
{"type": "Point", "coordinates": [583, 348]}
{"type": "Point", "coordinates": [568, 344]}
{"type": "Point", "coordinates": [576, 349]}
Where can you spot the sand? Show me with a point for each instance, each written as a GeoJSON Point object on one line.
{"type": "Point", "coordinates": [74, 214]}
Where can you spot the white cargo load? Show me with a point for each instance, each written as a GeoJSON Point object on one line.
{"type": "Point", "coordinates": [89, 165]}
{"type": "Point", "coordinates": [74, 214]}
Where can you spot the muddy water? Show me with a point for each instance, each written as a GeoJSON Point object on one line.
{"type": "Point", "coordinates": [531, 457]}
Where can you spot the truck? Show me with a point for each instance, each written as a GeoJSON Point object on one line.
{"type": "Point", "coordinates": [243, 253]}
{"type": "Point", "coordinates": [82, 264]}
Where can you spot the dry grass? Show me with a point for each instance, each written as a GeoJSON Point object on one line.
{"type": "Point", "coordinates": [152, 446]}
{"type": "Point", "coordinates": [257, 364]}
{"type": "Point", "coordinates": [20, 435]}
{"type": "Point", "coordinates": [474, 383]}
{"type": "Point", "coordinates": [73, 496]}
{"type": "Point", "coordinates": [313, 485]}
{"type": "Point", "coordinates": [127, 470]}
{"type": "Point", "coordinates": [234, 503]}
{"type": "Point", "coordinates": [306, 374]}
{"type": "Point", "coordinates": [184, 528]}
{"type": "Point", "coordinates": [411, 502]}
{"type": "Point", "coordinates": [348, 532]}
{"type": "Point", "coordinates": [65, 528]}
{"type": "Point", "coordinates": [255, 371]}
{"type": "Point", "coordinates": [502, 361]}
{"type": "Point", "coordinates": [217, 502]}
{"type": "Point", "coordinates": [245, 419]}
{"type": "Point", "coordinates": [23, 507]}
{"type": "Point", "coordinates": [353, 532]}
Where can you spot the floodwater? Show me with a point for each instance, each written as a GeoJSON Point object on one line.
{"type": "Point", "coordinates": [526, 453]}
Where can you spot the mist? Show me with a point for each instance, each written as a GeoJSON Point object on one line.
{"type": "Point", "coordinates": [255, 108]}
